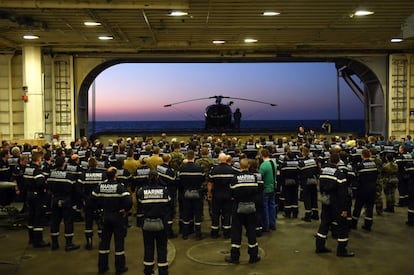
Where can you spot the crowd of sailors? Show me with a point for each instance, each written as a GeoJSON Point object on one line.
{"type": "Point", "coordinates": [70, 182]}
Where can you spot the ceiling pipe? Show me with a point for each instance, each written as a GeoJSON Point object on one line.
{"type": "Point", "coordinates": [97, 4]}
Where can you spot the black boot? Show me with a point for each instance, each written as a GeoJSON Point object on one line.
{"type": "Point", "coordinates": [184, 230]}
{"type": "Point", "coordinates": [170, 231]}
{"type": "Point", "coordinates": [367, 225]}
{"type": "Point", "coordinates": [342, 251]}
{"type": "Point", "coordinates": [230, 260]}
{"type": "Point", "coordinates": [295, 213]}
{"type": "Point", "coordinates": [30, 233]}
{"type": "Point", "coordinates": [389, 208]}
{"type": "Point", "coordinates": [226, 233]}
{"type": "Point", "coordinates": [88, 245]}
{"type": "Point", "coordinates": [320, 245]}
{"type": "Point", "coordinates": [38, 241]}
{"type": "Point", "coordinates": [120, 264]}
{"type": "Point", "coordinates": [315, 215]}
{"type": "Point", "coordinates": [55, 243]}
{"type": "Point", "coordinates": [103, 263]}
{"type": "Point", "coordinates": [70, 245]}
{"type": "Point", "coordinates": [148, 269]}
{"type": "Point", "coordinates": [288, 213]}
{"type": "Point", "coordinates": [180, 227]}
{"type": "Point", "coordinates": [254, 259]}
{"type": "Point", "coordinates": [214, 233]}
{"type": "Point", "coordinates": [354, 224]}
{"type": "Point", "coordinates": [307, 217]}
{"type": "Point", "coordinates": [198, 234]}
{"type": "Point", "coordinates": [191, 228]}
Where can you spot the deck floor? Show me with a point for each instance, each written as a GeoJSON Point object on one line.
{"type": "Point", "coordinates": [388, 249]}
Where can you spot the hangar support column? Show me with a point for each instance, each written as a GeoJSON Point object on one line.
{"type": "Point", "coordinates": [34, 125]}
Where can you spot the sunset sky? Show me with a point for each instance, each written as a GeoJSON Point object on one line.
{"type": "Point", "coordinates": [138, 92]}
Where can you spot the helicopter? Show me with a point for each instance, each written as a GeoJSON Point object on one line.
{"type": "Point", "coordinates": [219, 115]}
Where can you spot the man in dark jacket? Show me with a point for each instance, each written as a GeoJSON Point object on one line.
{"type": "Point", "coordinates": [218, 191]}
{"type": "Point", "coordinates": [89, 180]}
{"type": "Point", "coordinates": [191, 181]}
{"type": "Point", "coordinates": [115, 201]}
{"type": "Point", "coordinates": [61, 184]}
{"type": "Point", "coordinates": [37, 199]}
{"type": "Point", "coordinates": [153, 207]}
{"type": "Point", "coordinates": [244, 192]}
{"type": "Point", "coordinates": [367, 173]}
{"type": "Point", "coordinates": [333, 190]}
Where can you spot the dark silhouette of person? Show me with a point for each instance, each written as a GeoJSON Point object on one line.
{"type": "Point", "coordinates": [327, 126]}
{"type": "Point", "coordinates": [237, 117]}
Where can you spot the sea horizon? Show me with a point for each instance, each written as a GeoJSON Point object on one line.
{"type": "Point", "coordinates": [129, 126]}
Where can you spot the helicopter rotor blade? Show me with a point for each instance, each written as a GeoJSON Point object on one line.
{"type": "Point", "coordinates": [221, 96]}
{"type": "Point", "coordinates": [185, 101]}
{"type": "Point", "coordinates": [251, 100]}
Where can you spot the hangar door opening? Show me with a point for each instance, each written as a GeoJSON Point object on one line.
{"type": "Point", "coordinates": [130, 97]}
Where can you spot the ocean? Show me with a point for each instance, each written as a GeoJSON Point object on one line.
{"type": "Point", "coordinates": [352, 125]}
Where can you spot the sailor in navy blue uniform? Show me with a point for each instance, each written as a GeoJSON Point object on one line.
{"type": "Point", "coordinates": [192, 178]}
{"type": "Point", "coordinates": [218, 191]}
{"type": "Point", "coordinates": [289, 177]}
{"type": "Point", "coordinates": [153, 202]}
{"type": "Point", "coordinates": [37, 198]}
{"type": "Point", "coordinates": [367, 173]}
{"type": "Point", "coordinates": [308, 175]}
{"type": "Point", "coordinates": [73, 167]}
{"type": "Point", "coordinates": [115, 201]}
{"type": "Point", "coordinates": [89, 180]}
{"type": "Point", "coordinates": [244, 189]}
{"type": "Point", "coordinates": [334, 192]}
{"type": "Point", "coordinates": [6, 194]}
{"type": "Point", "coordinates": [167, 178]}
{"type": "Point", "coordinates": [409, 168]}
{"type": "Point", "coordinates": [60, 184]}
{"type": "Point", "coordinates": [402, 159]}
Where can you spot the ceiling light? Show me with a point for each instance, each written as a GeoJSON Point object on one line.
{"type": "Point", "coordinates": [270, 13]}
{"type": "Point", "coordinates": [30, 37]}
{"type": "Point", "coordinates": [396, 40]}
{"type": "Point", "coordinates": [363, 12]}
{"type": "Point", "coordinates": [219, 41]}
{"type": "Point", "coordinates": [178, 13]}
{"type": "Point", "coordinates": [91, 23]}
{"type": "Point", "coordinates": [106, 37]}
{"type": "Point", "coordinates": [250, 40]}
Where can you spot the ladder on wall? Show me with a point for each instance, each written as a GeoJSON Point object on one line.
{"type": "Point", "coordinates": [401, 95]}
{"type": "Point", "coordinates": [63, 99]}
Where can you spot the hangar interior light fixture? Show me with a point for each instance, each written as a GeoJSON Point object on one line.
{"type": "Point", "coordinates": [92, 23]}
{"type": "Point", "coordinates": [363, 12]}
{"type": "Point", "coordinates": [105, 37]}
{"type": "Point", "coordinates": [30, 36]}
{"type": "Point", "coordinates": [396, 40]}
{"type": "Point", "coordinates": [250, 40]}
{"type": "Point", "coordinates": [178, 13]}
{"type": "Point", "coordinates": [271, 13]}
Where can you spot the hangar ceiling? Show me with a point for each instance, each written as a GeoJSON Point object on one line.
{"type": "Point", "coordinates": [139, 28]}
